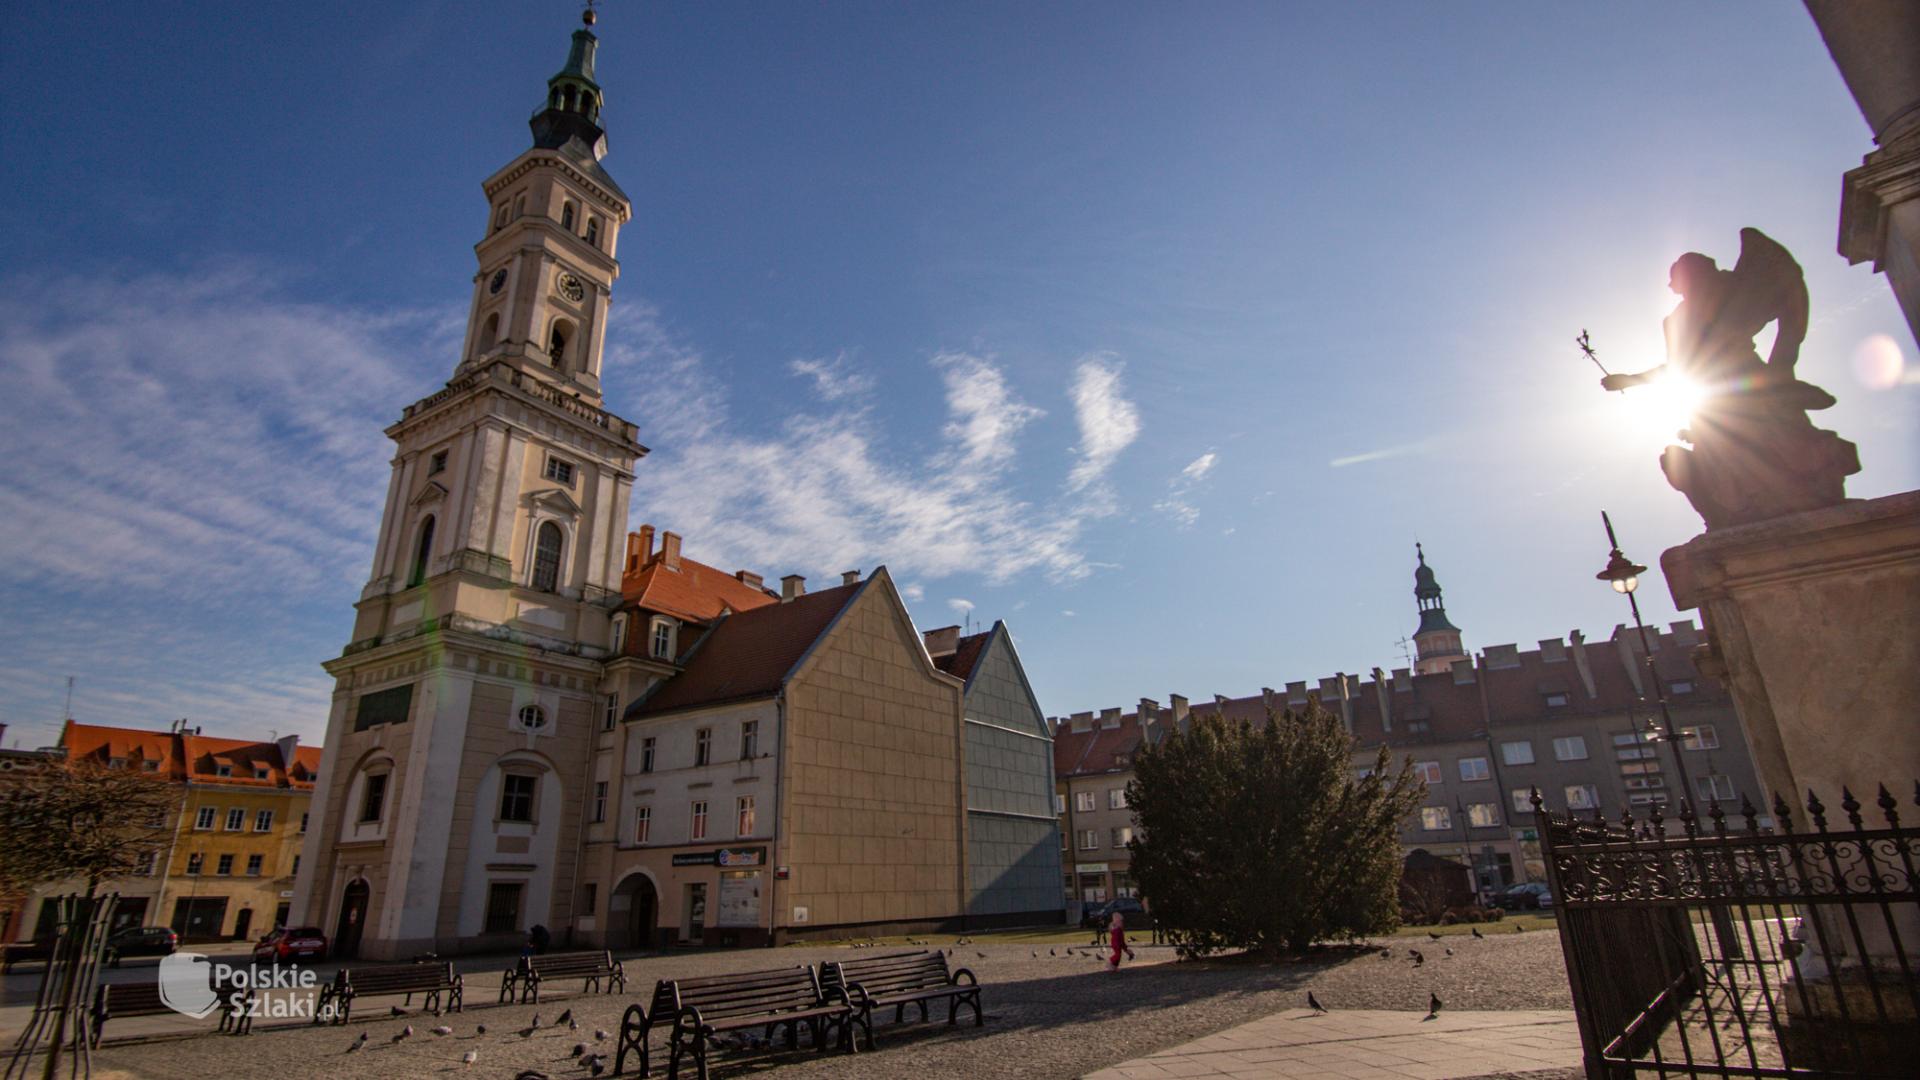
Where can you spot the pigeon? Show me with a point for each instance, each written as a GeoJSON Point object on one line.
{"type": "Point", "coordinates": [480, 1029]}
{"type": "Point", "coordinates": [1050, 952]}
{"type": "Point", "coordinates": [405, 1034]}
{"type": "Point", "coordinates": [578, 1050]}
{"type": "Point", "coordinates": [527, 1032]}
{"type": "Point", "coordinates": [530, 1074]}
{"type": "Point", "coordinates": [358, 1043]}
{"type": "Point", "coordinates": [1314, 1003]}
{"type": "Point", "coordinates": [1035, 953]}
{"type": "Point", "coordinates": [395, 1010]}
{"type": "Point", "coordinates": [1433, 1006]}
{"type": "Point", "coordinates": [600, 1035]}
{"type": "Point", "coordinates": [599, 1066]}
{"type": "Point", "coordinates": [469, 1057]}
{"type": "Point", "coordinates": [1418, 959]}
{"type": "Point", "coordinates": [535, 1022]}
{"type": "Point", "coordinates": [1449, 952]}
{"type": "Point", "coordinates": [981, 955]}
{"type": "Point", "coordinates": [572, 1024]}
{"type": "Point", "coordinates": [565, 1018]}
{"type": "Point", "coordinates": [1433, 935]}
{"type": "Point", "coordinates": [1477, 933]}
{"type": "Point", "coordinates": [443, 1030]}
{"type": "Point", "coordinates": [1516, 928]}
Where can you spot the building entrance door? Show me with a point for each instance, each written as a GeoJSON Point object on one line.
{"type": "Point", "coordinates": [242, 922]}
{"type": "Point", "coordinates": [632, 911]}
{"type": "Point", "coordinates": [693, 924]}
{"type": "Point", "coordinates": [353, 918]}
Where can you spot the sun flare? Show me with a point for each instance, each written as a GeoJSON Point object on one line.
{"type": "Point", "coordinates": [1662, 408]}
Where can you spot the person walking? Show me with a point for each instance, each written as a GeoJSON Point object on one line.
{"type": "Point", "coordinates": [1117, 939]}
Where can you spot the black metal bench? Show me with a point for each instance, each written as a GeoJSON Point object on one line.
{"type": "Point", "coordinates": [701, 1010]}
{"type": "Point", "coordinates": [900, 980]}
{"type": "Point", "coordinates": [593, 967]}
{"type": "Point", "coordinates": [437, 981]}
{"type": "Point", "coordinates": [638, 1023]}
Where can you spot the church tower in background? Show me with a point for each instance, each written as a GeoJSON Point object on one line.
{"type": "Point", "coordinates": [1437, 640]}
{"type": "Point", "coordinates": [469, 701]}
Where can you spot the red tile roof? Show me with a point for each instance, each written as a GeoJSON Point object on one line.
{"type": "Point", "coordinates": [695, 592]}
{"type": "Point", "coordinates": [187, 756]}
{"type": "Point", "coordinates": [748, 654]}
{"type": "Point", "coordinates": [959, 663]}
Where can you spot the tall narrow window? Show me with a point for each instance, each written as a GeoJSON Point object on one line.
{"type": "Point", "coordinates": [703, 746]}
{"type": "Point", "coordinates": [642, 823]}
{"type": "Point", "coordinates": [546, 557]}
{"type": "Point", "coordinates": [646, 755]}
{"type": "Point", "coordinates": [613, 712]}
{"type": "Point", "coordinates": [557, 344]}
{"type": "Point", "coordinates": [743, 827]}
{"type": "Point", "coordinates": [593, 231]}
{"type": "Point", "coordinates": [599, 800]}
{"type": "Point", "coordinates": [662, 639]}
{"type": "Point", "coordinates": [421, 551]}
{"type": "Point", "coordinates": [375, 798]}
{"type": "Point", "coordinates": [516, 797]}
{"type": "Point", "coordinates": [699, 827]}
{"type": "Point", "coordinates": [566, 216]}
{"type": "Point", "coordinates": [749, 739]}
{"type": "Point", "coordinates": [490, 331]}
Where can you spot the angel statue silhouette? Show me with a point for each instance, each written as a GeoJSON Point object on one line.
{"type": "Point", "coordinates": [1754, 453]}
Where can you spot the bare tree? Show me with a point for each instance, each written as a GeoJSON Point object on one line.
{"type": "Point", "coordinates": [80, 822]}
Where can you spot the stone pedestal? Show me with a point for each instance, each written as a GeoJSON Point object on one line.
{"type": "Point", "coordinates": [1813, 621]}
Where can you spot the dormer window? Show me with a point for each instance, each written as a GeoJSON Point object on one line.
{"type": "Point", "coordinates": [259, 772]}
{"type": "Point", "coordinates": [223, 770]}
{"type": "Point", "coordinates": [117, 763]}
{"type": "Point", "coordinates": [662, 645]}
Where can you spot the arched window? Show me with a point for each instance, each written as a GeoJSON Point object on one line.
{"type": "Point", "coordinates": [520, 207]}
{"type": "Point", "coordinates": [593, 231]}
{"type": "Point", "coordinates": [553, 98]}
{"type": "Point", "coordinates": [568, 99]}
{"type": "Point", "coordinates": [489, 331]}
{"type": "Point", "coordinates": [421, 552]}
{"type": "Point", "coordinates": [557, 342]}
{"type": "Point", "coordinates": [546, 557]}
{"type": "Point", "coordinates": [500, 219]}
{"type": "Point", "coordinates": [566, 216]}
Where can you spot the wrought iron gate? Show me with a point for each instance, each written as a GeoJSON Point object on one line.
{"type": "Point", "coordinates": [1704, 947]}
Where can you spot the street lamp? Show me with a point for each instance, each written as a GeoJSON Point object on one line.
{"type": "Point", "coordinates": [1624, 575]}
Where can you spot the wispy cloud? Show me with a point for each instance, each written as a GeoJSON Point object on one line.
{"type": "Point", "coordinates": [1109, 423]}
{"type": "Point", "coordinates": [1377, 455]}
{"type": "Point", "coordinates": [1176, 503]}
{"type": "Point", "coordinates": [834, 378]}
{"type": "Point", "coordinates": [960, 605]}
{"type": "Point", "coordinates": [913, 592]}
{"type": "Point", "coordinates": [824, 489]}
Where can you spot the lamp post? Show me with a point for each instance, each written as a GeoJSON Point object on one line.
{"type": "Point", "coordinates": [1624, 575]}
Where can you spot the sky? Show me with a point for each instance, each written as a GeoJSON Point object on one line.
{"type": "Point", "coordinates": [1160, 331]}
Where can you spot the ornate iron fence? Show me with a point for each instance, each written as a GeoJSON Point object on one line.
{"type": "Point", "coordinates": [1700, 946]}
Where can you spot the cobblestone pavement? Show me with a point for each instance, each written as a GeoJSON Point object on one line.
{"type": "Point", "coordinates": [1369, 1044]}
{"type": "Point", "coordinates": [1060, 1015]}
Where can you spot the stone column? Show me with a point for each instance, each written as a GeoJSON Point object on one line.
{"type": "Point", "coordinates": [1814, 623]}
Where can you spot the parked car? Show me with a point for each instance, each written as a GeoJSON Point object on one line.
{"type": "Point", "coordinates": [1525, 896]}
{"type": "Point", "coordinates": [1096, 915]}
{"type": "Point", "coordinates": [285, 945]}
{"type": "Point", "coordinates": [141, 941]}
{"type": "Point", "coordinates": [21, 952]}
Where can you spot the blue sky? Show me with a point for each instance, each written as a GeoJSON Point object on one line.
{"type": "Point", "coordinates": [1160, 331]}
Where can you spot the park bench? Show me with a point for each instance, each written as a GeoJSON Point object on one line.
{"type": "Point", "coordinates": [437, 981]}
{"type": "Point", "coordinates": [593, 967]}
{"type": "Point", "coordinates": [900, 980]}
{"type": "Point", "coordinates": [143, 999]}
{"type": "Point", "coordinates": [702, 1010]}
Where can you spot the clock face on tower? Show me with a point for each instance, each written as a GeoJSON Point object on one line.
{"type": "Point", "coordinates": [498, 281]}
{"type": "Point", "coordinates": [571, 288]}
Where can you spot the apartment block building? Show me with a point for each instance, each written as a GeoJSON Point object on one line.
{"type": "Point", "coordinates": [1576, 720]}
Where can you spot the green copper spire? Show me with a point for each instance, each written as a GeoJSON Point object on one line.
{"type": "Point", "coordinates": [572, 109]}
{"type": "Point", "coordinates": [1426, 591]}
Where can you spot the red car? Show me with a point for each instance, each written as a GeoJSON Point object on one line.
{"type": "Point", "coordinates": [285, 945]}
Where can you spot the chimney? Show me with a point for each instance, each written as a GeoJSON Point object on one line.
{"type": "Point", "coordinates": [1578, 647]}
{"type": "Point", "coordinates": [1109, 718]}
{"type": "Point", "coordinates": [1178, 703]}
{"type": "Point", "coordinates": [634, 557]}
{"type": "Point", "coordinates": [1462, 672]}
{"type": "Point", "coordinates": [1402, 681]}
{"type": "Point", "coordinates": [943, 641]}
{"type": "Point", "coordinates": [1683, 633]}
{"type": "Point", "coordinates": [792, 587]}
{"type": "Point", "coordinates": [748, 578]}
{"type": "Point", "coordinates": [1347, 692]}
{"type": "Point", "coordinates": [646, 545]}
{"type": "Point", "coordinates": [1266, 698]}
{"type": "Point", "coordinates": [1386, 699]}
{"type": "Point", "coordinates": [1149, 710]}
{"type": "Point", "coordinates": [1297, 693]}
{"type": "Point", "coordinates": [1081, 721]}
{"type": "Point", "coordinates": [1553, 651]}
{"type": "Point", "coordinates": [670, 549]}
{"type": "Point", "coordinates": [849, 577]}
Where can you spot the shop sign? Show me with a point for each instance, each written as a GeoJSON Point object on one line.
{"type": "Point", "coordinates": [740, 898]}
{"type": "Point", "coordinates": [750, 856]}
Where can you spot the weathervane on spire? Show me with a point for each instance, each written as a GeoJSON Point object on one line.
{"type": "Point", "coordinates": [588, 15]}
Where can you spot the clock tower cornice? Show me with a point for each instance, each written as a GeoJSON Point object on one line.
{"type": "Point", "coordinates": [540, 238]}
{"type": "Point", "coordinates": [539, 157]}
{"type": "Point", "coordinates": [617, 435]}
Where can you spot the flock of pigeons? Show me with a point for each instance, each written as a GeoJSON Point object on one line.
{"type": "Point", "coordinates": [588, 1057]}
{"type": "Point", "coordinates": [1434, 1004]}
